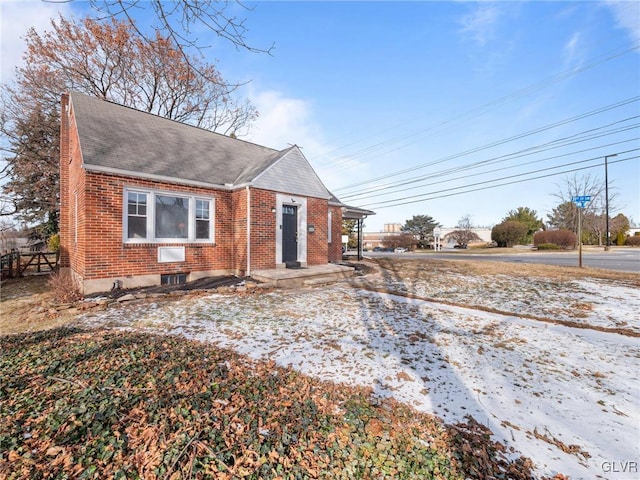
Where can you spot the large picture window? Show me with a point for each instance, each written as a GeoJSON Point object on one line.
{"type": "Point", "coordinates": [172, 217]}
{"type": "Point", "coordinates": [166, 217]}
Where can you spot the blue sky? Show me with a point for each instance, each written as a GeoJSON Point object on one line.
{"type": "Point", "coordinates": [446, 92]}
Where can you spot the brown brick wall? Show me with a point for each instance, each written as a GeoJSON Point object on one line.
{"type": "Point", "coordinates": [92, 244]}
{"type": "Point", "coordinates": [108, 256]}
{"type": "Point", "coordinates": [263, 229]}
{"type": "Point", "coordinates": [238, 234]}
{"type": "Point", "coordinates": [72, 195]}
{"type": "Point", "coordinates": [317, 246]}
{"type": "Point", "coordinates": [335, 247]}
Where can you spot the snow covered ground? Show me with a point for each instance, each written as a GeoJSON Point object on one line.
{"type": "Point", "coordinates": [568, 398]}
{"type": "Point", "coordinates": [595, 302]}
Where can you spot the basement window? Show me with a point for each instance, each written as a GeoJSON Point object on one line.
{"type": "Point", "coordinates": [173, 279]}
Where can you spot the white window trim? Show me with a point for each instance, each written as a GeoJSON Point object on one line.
{"type": "Point", "coordinates": [329, 224]}
{"type": "Point", "coordinates": [151, 215]}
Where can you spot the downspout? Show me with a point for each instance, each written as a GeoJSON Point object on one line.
{"type": "Point", "coordinates": [248, 270]}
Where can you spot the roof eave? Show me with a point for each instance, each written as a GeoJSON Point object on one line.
{"type": "Point", "coordinates": [162, 178]}
{"type": "Point", "coordinates": [355, 213]}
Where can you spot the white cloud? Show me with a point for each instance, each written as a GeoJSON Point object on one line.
{"type": "Point", "coordinates": [480, 24]}
{"type": "Point", "coordinates": [16, 17]}
{"type": "Point", "coordinates": [573, 52]}
{"type": "Point", "coordinates": [627, 17]}
{"type": "Point", "coordinates": [284, 121]}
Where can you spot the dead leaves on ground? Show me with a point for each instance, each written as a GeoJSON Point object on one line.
{"type": "Point", "coordinates": [572, 449]}
{"type": "Point", "coordinates": [95, 404]}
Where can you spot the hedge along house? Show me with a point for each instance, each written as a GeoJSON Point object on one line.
{"type": "Point", "coordinates": [146, 200]}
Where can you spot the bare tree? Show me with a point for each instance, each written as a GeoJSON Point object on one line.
{"type": "Point", "coordinates": [463, 234]}
{"type": "Point", "coordinates": [109, 61]}
{"type": "Point", "coordinates": [8, 208]}
{"type": "Point", "coordinates": [182, 19]}
{"type": "Point", "coordinates": [594, 220]}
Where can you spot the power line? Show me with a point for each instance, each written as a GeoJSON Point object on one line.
{"type": "Point", "coordinates": [494, 144]}
{"type": "Point", "coordinates": [584, 66]}
{"type": "Point", "coordinates": [509, 167]}
{"type": "Point", "coordinates": [557, 143]}
{"type": "Point", "coordinates": [374, 206]}
{"type": "Point", "coordinates": [490, 181]}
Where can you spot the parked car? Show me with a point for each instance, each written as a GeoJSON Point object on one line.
{"type": "Point", "coordinates": [400, 250]}
{"type": "Point", "coordinates": [460, 246]}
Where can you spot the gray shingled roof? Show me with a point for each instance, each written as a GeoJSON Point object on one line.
{"type": "Point", "coordinates": [113, 137]}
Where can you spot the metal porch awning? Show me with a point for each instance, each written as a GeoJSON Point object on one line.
{"type": "Point", "coordinates": [354, 213]}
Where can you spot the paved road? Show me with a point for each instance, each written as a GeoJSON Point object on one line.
{"type": "Point", "coordinates": [620, 259]}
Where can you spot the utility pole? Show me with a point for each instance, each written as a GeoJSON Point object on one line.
{"type": "Point", "coordinates": [606, 198]}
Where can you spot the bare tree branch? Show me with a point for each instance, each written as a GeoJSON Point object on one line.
{"type": "Point", "coordinates": [593, 215]}
{"type": "Point", "coordinates": [110, 61]}
{"type": "Point", "coordinates": [180, 20]}
{"type": "Point", "coordinates": [463, 234]}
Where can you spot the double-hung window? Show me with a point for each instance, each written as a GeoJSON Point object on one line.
{"type": "Point", "coordinates": [152, 216]}
{"type": "Point", "coordinates": [203, 219]}
{"type": "Point", "coordinates": [137, 214]}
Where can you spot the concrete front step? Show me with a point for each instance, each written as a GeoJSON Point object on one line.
{"type": "Point", "coordinates": [323, 280]}
{"type": "Point", "coordinates": [309, 276]}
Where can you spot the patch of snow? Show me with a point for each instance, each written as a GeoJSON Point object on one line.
{"type": "Point", "coordinates": [536, 385]}
{"type": "Point", "coordinates": [599, 303]}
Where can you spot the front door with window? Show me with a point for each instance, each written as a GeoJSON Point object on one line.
{"type": "Point", "coordinates": [289, 234]}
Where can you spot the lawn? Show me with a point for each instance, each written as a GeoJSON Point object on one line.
{"type": "Point", "coordinates": [347, 380]}
{"type": "Point", "coordinates": [77, 404]}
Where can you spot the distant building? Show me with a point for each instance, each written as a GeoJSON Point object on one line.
{"type": "Point", "coordinates": [392, 228]}
{"type": "Point", "coordinates": [376, 239]}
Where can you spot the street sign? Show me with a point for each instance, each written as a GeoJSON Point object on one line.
{"type": "Point", "coordinates": [581, 200]}
{"type": "Point", "coordinates": [437, 232]}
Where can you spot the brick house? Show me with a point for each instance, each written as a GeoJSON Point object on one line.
{"type": "Point", "coordinates": [146, 200]}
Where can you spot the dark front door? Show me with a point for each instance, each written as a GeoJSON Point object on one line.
{"type": "Point", "coordinates": [289, 233]}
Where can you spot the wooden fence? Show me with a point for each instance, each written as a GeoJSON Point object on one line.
{"type": "Point", "coordinates": [15, 264]}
